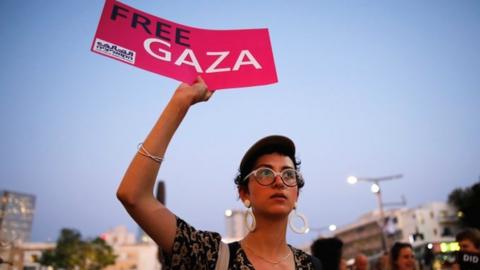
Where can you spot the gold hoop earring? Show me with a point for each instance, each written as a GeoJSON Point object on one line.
{"type": "Point", "coordinates": [249, 214]}
{"type": "Point", "coordinates": [293, 215]}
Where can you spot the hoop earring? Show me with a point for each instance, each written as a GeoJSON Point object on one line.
{"type": "Point", "coordinates": [304, 229]}
{"type": "Point", "coordinates": [249, 213]}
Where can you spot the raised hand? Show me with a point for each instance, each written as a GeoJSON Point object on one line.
{"type": "Point", "coordinates": [197, 92]}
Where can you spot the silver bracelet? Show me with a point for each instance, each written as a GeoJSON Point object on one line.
{"type": "Point", "coordinates": [142, 151]}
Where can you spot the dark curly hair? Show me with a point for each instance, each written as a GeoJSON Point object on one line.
{"type": "Point", "coordinates": [395, 252]}
{"type": "Point", "coordinates": [471, 234]}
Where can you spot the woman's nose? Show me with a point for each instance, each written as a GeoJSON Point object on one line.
{"type": "Point", "coordinates": [278, 181]}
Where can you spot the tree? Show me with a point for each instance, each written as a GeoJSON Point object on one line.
{"type": "Point", "coordinates": [71, 252]}
{"type": "Point", "coordinates": [467, 202]}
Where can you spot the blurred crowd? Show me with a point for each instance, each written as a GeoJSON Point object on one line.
{"type": "Point", "coordinates": [400, 256]}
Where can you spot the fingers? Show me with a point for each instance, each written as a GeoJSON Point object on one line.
{"type": "Point", "coordinates": [196, 92]}
{"type": "Point", "coordinates": [200, 83]}
{"type": "Point", "coordinates": [209, 94]}
{"type": "Point", "coordinates": [199, 80]}
{"type": "Point", "coordinates": [204, 92]}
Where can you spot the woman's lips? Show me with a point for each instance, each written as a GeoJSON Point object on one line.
{"type": "Point", "coordinates": [278, 196]}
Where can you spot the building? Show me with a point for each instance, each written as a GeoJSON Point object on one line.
{"type": "Point", "coordinates": [25, 256]}
{"type": "Point", "coordinates": [235, 225]}
{"type": "Point", "coordinates": [16, 216]}
{"type": "Point", "coordinates": [135, 256]}
{"type": "Point", "coordinates": [131, 254]}
{"type": "Point", "coordinates": [118, 236]}
{"type": "Point", "coordinates": [432, 222]}
{"type": "Point", "coordinates": [364, 235]}
{"type": "Point", "coordinates": [16, 219]}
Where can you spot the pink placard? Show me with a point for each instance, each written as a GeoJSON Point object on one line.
{"type": "Point", "coordinates": [224, 58]}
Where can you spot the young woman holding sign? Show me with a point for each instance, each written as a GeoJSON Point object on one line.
{"type": "Point", "coordinates": [268, 184]}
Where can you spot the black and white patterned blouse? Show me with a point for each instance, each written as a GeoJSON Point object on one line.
{"type": "Point", "coordinates": [198, 250]}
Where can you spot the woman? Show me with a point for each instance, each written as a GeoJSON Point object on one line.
{"type": "Point", "coordinates": [268, 182]}
{"type": "Point", "coordinates": [402, 257]}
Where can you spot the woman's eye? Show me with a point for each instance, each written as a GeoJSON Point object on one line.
{"type": "Point", "coordinates": [289, 174]}
{"type": "Point", "coordinates": [265, 173]}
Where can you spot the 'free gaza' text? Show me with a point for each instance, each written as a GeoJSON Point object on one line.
{"type": "Point", "coordinates": [165, 33]}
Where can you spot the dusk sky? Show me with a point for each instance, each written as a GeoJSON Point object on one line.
{"type": "Point", "coordinates": [366, 88]}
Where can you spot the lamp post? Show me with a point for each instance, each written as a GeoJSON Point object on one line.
{"type": "Point", "coordinates": [375, 188]}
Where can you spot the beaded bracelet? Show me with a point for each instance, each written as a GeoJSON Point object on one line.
{"type": "Point", "coordinates": [143, 151]}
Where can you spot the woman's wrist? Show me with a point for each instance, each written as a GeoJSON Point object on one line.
{"type": "Point", "coordinates": [183, 97]}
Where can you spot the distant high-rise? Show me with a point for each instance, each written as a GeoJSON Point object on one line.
{"type": "Point", "coordinates": [16, 216]}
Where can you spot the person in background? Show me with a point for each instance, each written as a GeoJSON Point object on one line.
{"type": "Point", "coordinates": [361, 262]}
{"type": "Point", "coordinates": [329, 251]}
{"type": "Point", "coordinates": [469, 240]}
{"type": "Point", "coordinates": [402, 257]}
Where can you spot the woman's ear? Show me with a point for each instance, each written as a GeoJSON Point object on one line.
{"type": "Point", "coordinates": [243, 193]}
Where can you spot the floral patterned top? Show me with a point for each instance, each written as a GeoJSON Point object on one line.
{"type": "Point", "coordinates": [198, 250]}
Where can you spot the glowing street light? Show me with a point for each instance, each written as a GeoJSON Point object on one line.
{"type": "Point", "coordinates": [331, 228]}
{"type": "Point", "coordinates": [352, 180]}
{"type": "Point", "coordinates": [375, 188]}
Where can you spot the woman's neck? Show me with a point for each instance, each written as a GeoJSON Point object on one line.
{"type": "Point", "coordinates": [268, 238]}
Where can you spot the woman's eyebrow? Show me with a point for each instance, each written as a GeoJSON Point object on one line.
{"type": "Point", "coordinates": [271, 167]}
{"type": "Point", "coordinates": [264, 165]}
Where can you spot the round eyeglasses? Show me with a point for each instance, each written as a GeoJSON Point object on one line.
{"type": "Point", "coordinates": [266, 176]}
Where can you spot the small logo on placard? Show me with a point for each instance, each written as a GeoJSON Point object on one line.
{"type": "Point", "coordinates": [113, 50]}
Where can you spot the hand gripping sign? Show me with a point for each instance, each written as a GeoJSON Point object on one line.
{"type": "Point", "coordinates": [224, 58]}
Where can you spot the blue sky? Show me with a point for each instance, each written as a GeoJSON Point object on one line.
{"type": "Point", "coordinates": [369, 88]}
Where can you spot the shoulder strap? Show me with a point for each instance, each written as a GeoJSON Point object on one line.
{"type": "Point", "coordinates": [223, 257]}
{"type": "Point", "coordinates": [233, 248]}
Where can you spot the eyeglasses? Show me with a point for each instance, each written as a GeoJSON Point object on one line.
{"type": "Point", "coordinates": [266, 176]}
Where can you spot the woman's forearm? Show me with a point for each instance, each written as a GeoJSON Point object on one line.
{"type": "Point", "coordinates": [140, 176]}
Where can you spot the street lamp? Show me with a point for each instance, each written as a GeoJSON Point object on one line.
{"type": "Point", "coordinates": [331, 228]}
{"type": "Point", "coordinates": [375, 188]}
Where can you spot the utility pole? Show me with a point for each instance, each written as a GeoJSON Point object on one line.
{"type": "Point", "coordinates": [160, 195]}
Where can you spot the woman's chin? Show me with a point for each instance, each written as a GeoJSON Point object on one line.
{"type": "Point", "coordinates": [280, 211]}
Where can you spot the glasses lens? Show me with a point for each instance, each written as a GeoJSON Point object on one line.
{"type": "Point", "coordinates": [289, 177]}
{"type": "Point", "coordinates": [265, 176]}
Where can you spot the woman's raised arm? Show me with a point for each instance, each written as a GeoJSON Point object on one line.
{"type": "Point", "coordinates": [136, 189]}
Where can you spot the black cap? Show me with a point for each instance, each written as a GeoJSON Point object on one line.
{"type": "Point", "coordinates": [269, 144]}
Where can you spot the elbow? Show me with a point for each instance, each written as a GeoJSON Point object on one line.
{"type": "Point", "coordinates": [126, 198]}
